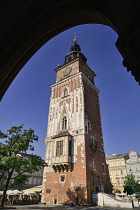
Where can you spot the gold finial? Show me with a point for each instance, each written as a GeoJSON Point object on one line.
{"type": "Point", "coordinates": [75, 38]}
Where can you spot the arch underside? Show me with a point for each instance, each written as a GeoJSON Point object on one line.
{"type": "Point", "coordinates": [28, 25]}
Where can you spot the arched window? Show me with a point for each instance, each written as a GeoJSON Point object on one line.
{"type": "Point", "coordinates": [64, 123]}
{"type": "Point", "coordinates": [65, 92]}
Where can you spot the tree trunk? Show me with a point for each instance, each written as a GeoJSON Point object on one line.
{"type": "Point", "coordinates": [3, 197]}
{"type": "Point", "coordinates": [5, 189]}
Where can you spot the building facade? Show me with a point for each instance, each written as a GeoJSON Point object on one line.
{"type": "Point", "coordinates": [122, 165]}
{"type": "Point", "coordinates": [117, 171]}
{"type": "Point", "coordinates": [133, 165]}
{"type": "Point", "coordinates": [35, 179]}
{"type": "Point", "coordinates": [74, 143]}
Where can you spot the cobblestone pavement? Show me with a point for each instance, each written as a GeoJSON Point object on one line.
{"type": "Point", "coordinates": [52, 207]}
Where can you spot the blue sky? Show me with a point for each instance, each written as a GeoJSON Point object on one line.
{"type": "Point", "coordinates": [27, 100]}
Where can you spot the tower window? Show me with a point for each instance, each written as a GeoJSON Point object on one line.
{"type": "Point", "coordinates": [93, 164]}
{"type": "Point", "coordinates": [103, 167]}
{"type": "Point", "coordinates": [59, 148]}
{"type": "Point", "coordinates": [64, 123]}
{"type": "Point", "coordinates": [69, 59]}
{"type": "Point", "coordinates": [65, 92]}
{"type": "Point", "coordinates": [70, 147]}
{"type": "Point", "coordinates": [48, 190]}
{"type": "Point", "coordinates": [89, 125]}
{"type": "Point", "coordinates": [86, 129]}
{"type": "Point", "coordinates": [62, 178]}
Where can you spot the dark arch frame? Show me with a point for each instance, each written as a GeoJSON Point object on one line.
{"type": "Point", "coordinates": [28, 25]}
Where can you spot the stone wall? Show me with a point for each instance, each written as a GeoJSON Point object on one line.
{"type": "Point", "coordinates": [106, 200]}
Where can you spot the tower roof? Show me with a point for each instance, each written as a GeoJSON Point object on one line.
{"type": "Point", "coordinates": [63, 133]}
{"type": "Point", "coordinates": [75, 47]}
{"type": "Point", "coordinates": [75, 52]}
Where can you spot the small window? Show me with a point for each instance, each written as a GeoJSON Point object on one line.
{"type": "Point", "coordinates": [102, 188]}
{"type": "Point", "coordinates": [122, 171]}
{"type": "Point", "coordinates": [118, 181]}
{"type": "Point", "coordinates": [93, 164]}
{"type": "Point", "coordinates": [89, 125]}
{"type": "Point", "coordinates": [69, 59]}
{"type": "Point", "coordinates": [86, 129]}
{"type": "Point", "coordinates": [59, 148]}
{"type": "Point", "coordinates": [103, 167]}
{"type": "Point", "coordinates": [115, 163]}
{"type": "Point", "coordinates": [93, 144]}
{"type": "Point", "coordinates": [70, 147]}
{"type": "Point", "coordinates": [117, 173]}
{"type": "Point", "coordinates": [30, 180]}
{"type": "Point", "coordinates": [62, 178]}
{"type": "Point", "coordinates": [38, 181]}
{"type": "Point", "coordinates": [48, 190]}
{"type": "Point", "coordinates": [34, 181]}
{"type": "Point", "coordinates": [64, 123]}
{"type": "Point", "coordinates": [92, 140]}
{"type": "Point", "coordinates": [123, 181]}
{"type": "Point", "coordinates": [65, 92]}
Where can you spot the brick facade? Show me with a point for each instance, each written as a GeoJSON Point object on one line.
{"type": "Point", "coordinates": [74, 130]}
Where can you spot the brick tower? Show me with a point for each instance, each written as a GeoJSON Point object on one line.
{"type": "Point", "coordinates": [74, 142]}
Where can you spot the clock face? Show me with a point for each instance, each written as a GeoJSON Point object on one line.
{"type": "Point", "coordinates": [67, 70]}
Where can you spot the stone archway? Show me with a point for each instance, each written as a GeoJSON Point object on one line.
{"type": "Point", "coordinates": [28, 25]}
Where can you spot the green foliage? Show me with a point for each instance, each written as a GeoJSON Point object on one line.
{"type": "Point", "coordinates": [14, 164]}
{"type": "Point", "coordinates": [26, 201]}
{"type": "Point", "coordinates": [17, 140]}
{"type": "Point", "coordinates": [19, 181]}
{"type": "Point", "coordinates": [131, 186]}
{"type": "Point", "coordinates": [112, 187]}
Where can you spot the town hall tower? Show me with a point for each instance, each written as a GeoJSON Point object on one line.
{"type": "Point", "coordinates": [74, 143]}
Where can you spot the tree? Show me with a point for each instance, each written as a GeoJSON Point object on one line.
{"type": "Point", "coordinates": [131, 186]}
{"type": "Point", "coordinates": [14, 166]}
{"type": "Point", "coordinates": [112, 186]}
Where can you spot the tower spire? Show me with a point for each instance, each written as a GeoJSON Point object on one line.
{"type": "Point", "coordinates": [75, 39]}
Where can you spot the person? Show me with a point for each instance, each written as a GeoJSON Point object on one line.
{"type": "Point", "coordinates": [132, 204]}
{"type": "Point", "coordinates": [71, 204]}
{"type": "Point", "coordinates": [77, 200]}
{"type": "Point", "coordinates": [139, 202]}
{"type": "Point", "coordinates": [14, 201]}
